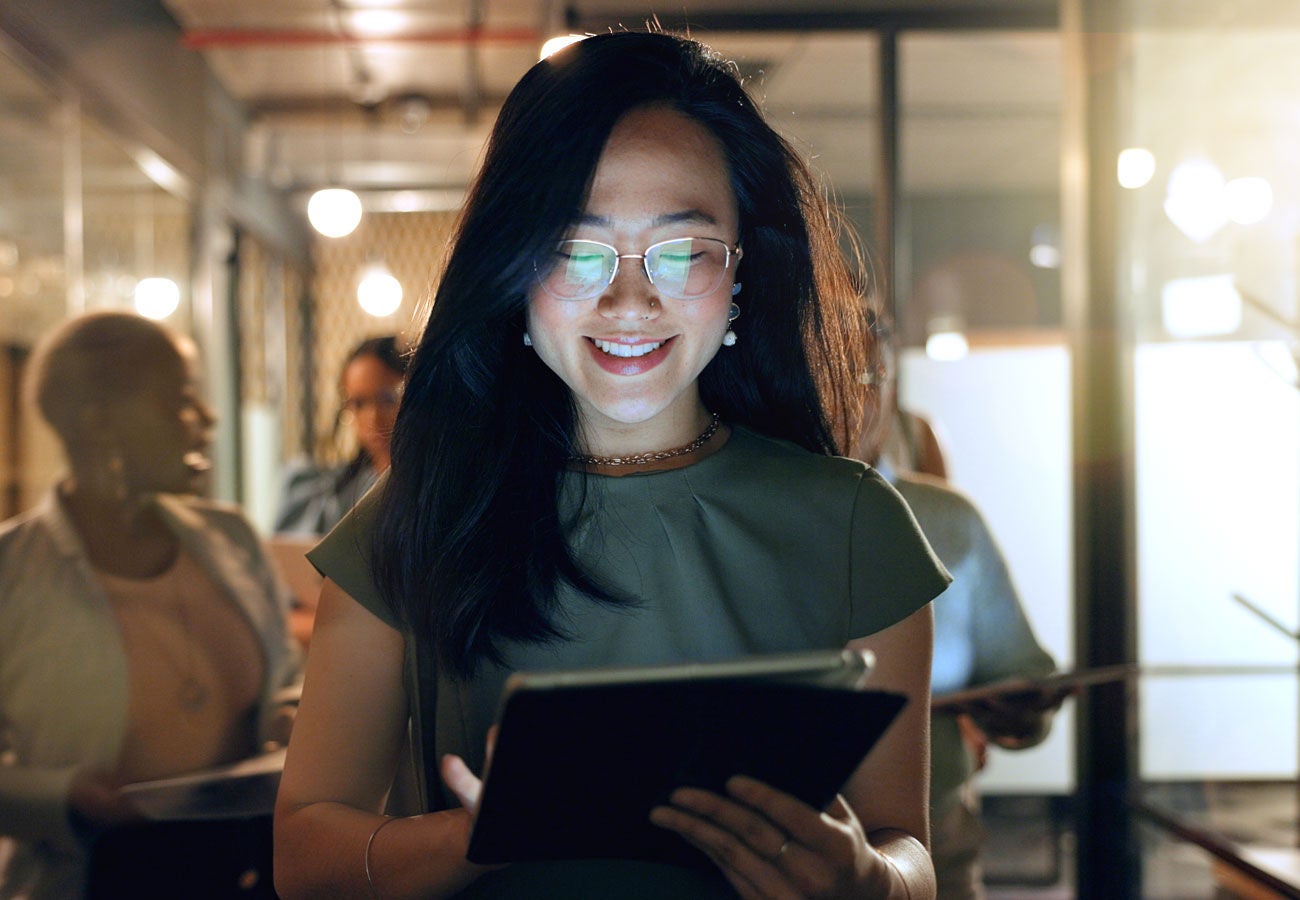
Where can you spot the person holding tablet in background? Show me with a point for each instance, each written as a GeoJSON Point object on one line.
{"type": "Point", "coordinates": [143, 630]}
{"type": "Point", "coordinates": [982, 635]}
{"type": "Point", "coordinates": [618, 446]}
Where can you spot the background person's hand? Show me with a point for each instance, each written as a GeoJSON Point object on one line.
{"type": "Point", "coordinates": [95, 802]}
{"type": "Point", "coordinates": [1020, 719]}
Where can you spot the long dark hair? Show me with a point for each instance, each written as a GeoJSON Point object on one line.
{"type": "Point", "coordinates": [469, 548]}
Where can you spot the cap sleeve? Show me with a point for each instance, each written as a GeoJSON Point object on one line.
{"type": "Point", "coordinates": [894, 570]}
{"type": "Point", "coordinates": [344, 556]}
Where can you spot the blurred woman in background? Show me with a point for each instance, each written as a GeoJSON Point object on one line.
{"type": "Point", "coordinates": [371, 384]}
{"type": "Point", "coordinates": [142, 629]}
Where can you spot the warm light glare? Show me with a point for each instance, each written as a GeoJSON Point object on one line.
{"type": "Point", "coordinates": [1196, 200]}
{"type": "Point", "coordinates": [1200, 307]}
{"type": "Point", "coordinates": [379, 22]}
{"type": "Point", "coordinates": [556, 44]}
{"type": "Point", "coordinates": [1045, 256]}
{"type": "Point", "coordinates": [156, 298]}
{"type": "Point", "coordinates": [379, 293]}
{"type": "Point", "coordinates": [946, 346]}
{"type": "Point", "coordinates": [406, 201]}
{"type": "Point", "coordinates": [160, 172]}
{"type": "Point", "coordinates": [1279, 357]}
{"type": "Point", "coordinates": [1249, 200]}
{"type": "Point", "coordinates": [1045, 247]}
{"type": "Point", "coordinates": [334, 212]}
{"type": "Point", "coordinates": [1135, 167]}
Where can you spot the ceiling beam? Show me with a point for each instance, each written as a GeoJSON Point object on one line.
{"type": "Point", "coordinates": [1033, 15]}
{"type": "Point", "coordinates": [236, 38]}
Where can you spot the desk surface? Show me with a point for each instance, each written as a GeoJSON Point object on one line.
{"type": "Point", "coordinates": [1251, 828]}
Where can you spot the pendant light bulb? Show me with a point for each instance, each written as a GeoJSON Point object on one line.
{"type": "Point", "coordinates": [334, 212]}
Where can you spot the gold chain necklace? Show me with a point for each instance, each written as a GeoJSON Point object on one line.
{"type": "Point", "coordinates": [642, 458]}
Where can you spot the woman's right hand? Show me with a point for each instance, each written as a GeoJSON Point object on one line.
{"type": "Point", "coordinates": [95, 800]}
{"type": "Point", "coordinates": [462, 782]}
{"type": "Point", "coordinates": [349, 733]}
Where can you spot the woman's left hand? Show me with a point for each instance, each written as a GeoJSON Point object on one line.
{"type": "Point", "coordinates": [772, 845]}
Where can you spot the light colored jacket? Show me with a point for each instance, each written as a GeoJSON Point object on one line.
{"type": "Point", "coordinates": [63, 669]}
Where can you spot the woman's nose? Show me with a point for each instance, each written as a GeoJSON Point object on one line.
{"type": "Point", "coordinates": [207, 415]}
{"type": "Point", "coordinates": [630, 295]}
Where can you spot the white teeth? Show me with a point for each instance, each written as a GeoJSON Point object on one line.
{"type": "Point", "coordinates": [616, 349]}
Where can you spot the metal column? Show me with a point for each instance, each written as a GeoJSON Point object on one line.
{"type": "Point", "coordinates": [1108, 863]}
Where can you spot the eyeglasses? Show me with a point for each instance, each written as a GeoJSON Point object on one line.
{"type": "Point", "coordinates": [384, 402]}
{"type": "Point", "coordinates": [683, 268]}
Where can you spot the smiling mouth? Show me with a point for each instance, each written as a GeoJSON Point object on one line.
{"type": "Point", "coordinates": [614, 348]}
{"type": "Point", "coordinates": [197, 461]}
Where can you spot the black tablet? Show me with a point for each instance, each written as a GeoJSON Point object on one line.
{"type": "Point", "coordinates": [1076, 678]}
{"type": "Point", "coordinates": [582, 757]}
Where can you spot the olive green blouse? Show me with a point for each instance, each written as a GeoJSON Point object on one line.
{"type": "Point", "coordinates": [761, 547]}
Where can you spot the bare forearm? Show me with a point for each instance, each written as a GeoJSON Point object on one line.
{"type": "Point", "coordinates": [326, 850]}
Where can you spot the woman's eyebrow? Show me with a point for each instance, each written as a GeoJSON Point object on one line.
{"type": "Point", "coordinates": [672, 218]}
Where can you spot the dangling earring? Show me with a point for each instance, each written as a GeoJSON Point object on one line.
{"type": "Point", "coordinates": [528, 341]}
{"type": "Point", "coordinates": [729, 339]}
{"type": "Point", "coordinates": [735, 289]}
{"type": "Point", "coordinates": [112, 479]}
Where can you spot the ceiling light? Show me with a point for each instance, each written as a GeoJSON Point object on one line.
{"type": "Point", "coordinates": [1045, 247]}
{"type": "Point", "coordinates": [1249, 200]}
{"type": "Point", "coordinates": [1045, 256]}
{"type": "Point", "coordinates": [1195, 200]}
{"type": "Point", "coordinates": [334, 212]}
{"type": "Point", "coordinates": [1200, 307]}
{"type": "Point", "coordinates": [379, 22]}
{"type": "Point", "coordinates": [379, 293]}
{"type": "Point", "coordinates": [412, 112]}
{"type": "Point", "coordinates": [156, 298]}
{"type": "Point", "coordinates": [1135, 167]}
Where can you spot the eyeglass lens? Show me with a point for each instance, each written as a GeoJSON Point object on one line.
{"type": "Point", "coordinates": [383, 402]}
{"type": "Point", "coordinates": [684, 268]}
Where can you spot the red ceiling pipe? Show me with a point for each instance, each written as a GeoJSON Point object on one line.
{"type": "Point", "coordinates": [215, 38]}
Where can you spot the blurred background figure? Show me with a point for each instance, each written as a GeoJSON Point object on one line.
{"type": "Point", "coordinates": [142, 629]}
{"type": "Point", "coordinates": [981, 634]}
{"type": "Point", "coordinates": [900, 438]}
{"type": "Point", "coordinates": [315, 498]}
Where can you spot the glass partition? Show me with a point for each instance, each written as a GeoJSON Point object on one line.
{"type": "Point", "coordinates": [82, 227]}
{"type": "Point", "coordinates": [1208, 250]}
{"type": "Point", "coordinates": [136, 235]}
{"type": "Point", "coordinates": [33, 270]}
{"type": "Point", "coordinates": [1213, 232]}
{"type": "Point", "coordinates": [982, 356]}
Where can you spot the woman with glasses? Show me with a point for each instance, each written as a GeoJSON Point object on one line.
{"type": "Point", "coordinates": [371, 384]}
{"type": "Point", "coordinates": [617, 447]}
